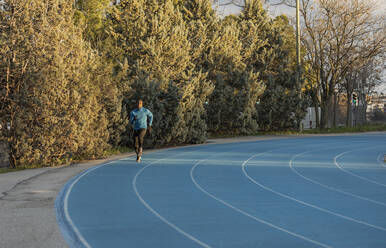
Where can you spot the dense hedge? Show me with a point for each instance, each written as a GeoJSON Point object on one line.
{"type": "Point", "coordinates": [70, 74]}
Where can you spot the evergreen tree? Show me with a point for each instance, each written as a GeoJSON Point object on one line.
{"type": "Point", "coordinates": [257, 35]}
{"type": "Point", "coordinates": [231, 105]}
{"type": "Point", "coordinates": [280, 106]}
{"type": "Point", "coordinates": [70, 73]}
{"type": "Point", "coordinates": [237, 61]}
{"type": "Point", "coordinates": [286, 38]}
{"type": "Point", "coordinates": [202, 23]}
{"type": "Point", "coordinates": [92, 16]}
{"type": "Point", "coordinates": [157, 66]}
{"type": "Point", "coordinates": [268, 50]}
{"type": "Point", "coordinates": [49, 96]}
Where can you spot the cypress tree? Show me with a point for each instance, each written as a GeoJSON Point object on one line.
{"type": "Point", "coordinates": [48, 94]}
{"type": "Point", "coordinates": [92, 16]}
{"type": "Point", "coordinates": [227, 108]}
{"type": "Point", "coordinates": [268, 50]}
{"type": "Point", "coordinates": [232, 106]}
{"type": "Point", "coordinates": [256, 35]}
{"type": "Point", "coordinates": [202, 24]}
{"type": "Point", "coordinates": [280, 106]}
{"type": "Point", "coordinates": [157, 66]}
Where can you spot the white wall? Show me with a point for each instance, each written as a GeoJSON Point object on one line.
{"type": "Point", "coordinates": [309, 121]}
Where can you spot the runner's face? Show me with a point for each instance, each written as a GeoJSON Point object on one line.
{"type": "Point", "coordinates": [140, 103]}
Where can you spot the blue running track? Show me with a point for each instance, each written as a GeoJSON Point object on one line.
{"type": "Point", "coordinates": [325, 191]}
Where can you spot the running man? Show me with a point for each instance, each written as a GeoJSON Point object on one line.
{"type": "Point", "coordinates": [139, 118]}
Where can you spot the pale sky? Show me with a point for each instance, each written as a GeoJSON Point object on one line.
{"type": "Point", "coordinates": [274, 11]}
{"type": "Point", "coordinates": [281, 9]}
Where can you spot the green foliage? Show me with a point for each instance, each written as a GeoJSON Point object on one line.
{"type": "Point", "coordinates": [7, 170]}
{"type": "Point", "coordinates": [92, 16]}
{"type": "Point", "coordinates": [280, 106]}
{"type": "Point", "coordinates": [202, 24]}
{"type": "Point", "coordinates": [118, 150]}
{"type": "Point", "coordinates": [50, 95]}
{"type": "Point", "coordinates": [224, 63]}
{"type": "Point", "coordinates": [89, 15]}
{"type": "Point", "coordinates": [157, 67]}
{"type": "Point", "coordinates": [286, 40]}
{"type": "Point", "coordinates": [238, 58]}
{"type": "Point", "coordinates": [70, 73]}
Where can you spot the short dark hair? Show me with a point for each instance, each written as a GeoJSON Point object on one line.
{"type": "Point", "coordinates": [139, 100]}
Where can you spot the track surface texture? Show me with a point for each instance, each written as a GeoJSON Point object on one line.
{"type": "Point", "coordinates": [301, 192]}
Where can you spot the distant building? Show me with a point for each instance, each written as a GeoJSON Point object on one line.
{"type": "Point", "coordinates": [376, 102]}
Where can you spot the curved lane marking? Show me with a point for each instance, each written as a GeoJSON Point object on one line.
{"type": "Point", "coordinates": [134, 183]}
{"type": "Point", "coordinates": [326, 186]}
{"type": "Point", "coordinates": [87, 245]}
{"type": "Point", "coordinates": [163, 219]}
{"type": "Point", "coordinates": [67, 215]}
{"type": "Point", "coordinates": [68, 192]}
{"type": "Point", "coordinates": [250, 215]}
{"type": "Point", "coordinates": [76, 230]}
{"type": "Point", "coordinates": [305, 203]}
{"type": "Point", "coordinates": [353, 174]}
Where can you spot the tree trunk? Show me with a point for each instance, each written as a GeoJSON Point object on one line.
{"type": "Point", "coordinates": [270, 120]}
{"type": "Point", "coordinates": [363, 107]}
{"type": "Point", "coordinates": [365, 113]}
{"type": "Point", "coordinates": [335, 110]}
{"type": "Point", "coordinates": [324, 115]}
{"type": "Point", "coordinates": [326, 107]}
{"type": "Point", "coordinates": [349, 110]}
{"type": "Point", "coordinates": [316, 105]}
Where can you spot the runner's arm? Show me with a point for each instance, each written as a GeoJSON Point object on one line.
{"type": "Point", "coordinates": [132, 117]}
{"type": "Point", "coordinates": [150, 117]}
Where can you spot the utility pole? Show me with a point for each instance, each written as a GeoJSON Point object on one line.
{"type": "Point", "coordinates": [298, 54]}
{"type": "Point", "coordinates": [298, 38]}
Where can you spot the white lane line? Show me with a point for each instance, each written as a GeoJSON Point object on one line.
{"type": "Point", "coordinates": [66, 197]}
{"type": "Point", "coordinates": [353, 174]}
{"type": "Point", "coordinates": [67, 215]}
{"type": "Point", "coordinates": [70, 221]}
{"type": "Point", "coordinates": [305, 203]}
{"type": "Point", "coordinates": [179, 230]}
{"type": "Point", "coordinates": [326, 186]}
{"type": "Point", "coordinates": [250, 215]}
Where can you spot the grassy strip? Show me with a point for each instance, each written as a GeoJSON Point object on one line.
{"type": "Point", "coordinates": [118, 150]}
{"type": "Point", "coordinates": [6, 169]}
{"type": "Point", "coordinates": [358, 129]}
{"type": "Point", "coordinates": [108, 153]}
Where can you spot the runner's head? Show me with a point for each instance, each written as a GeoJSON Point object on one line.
{"type": "Point", "coordinates": [139, 103]}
